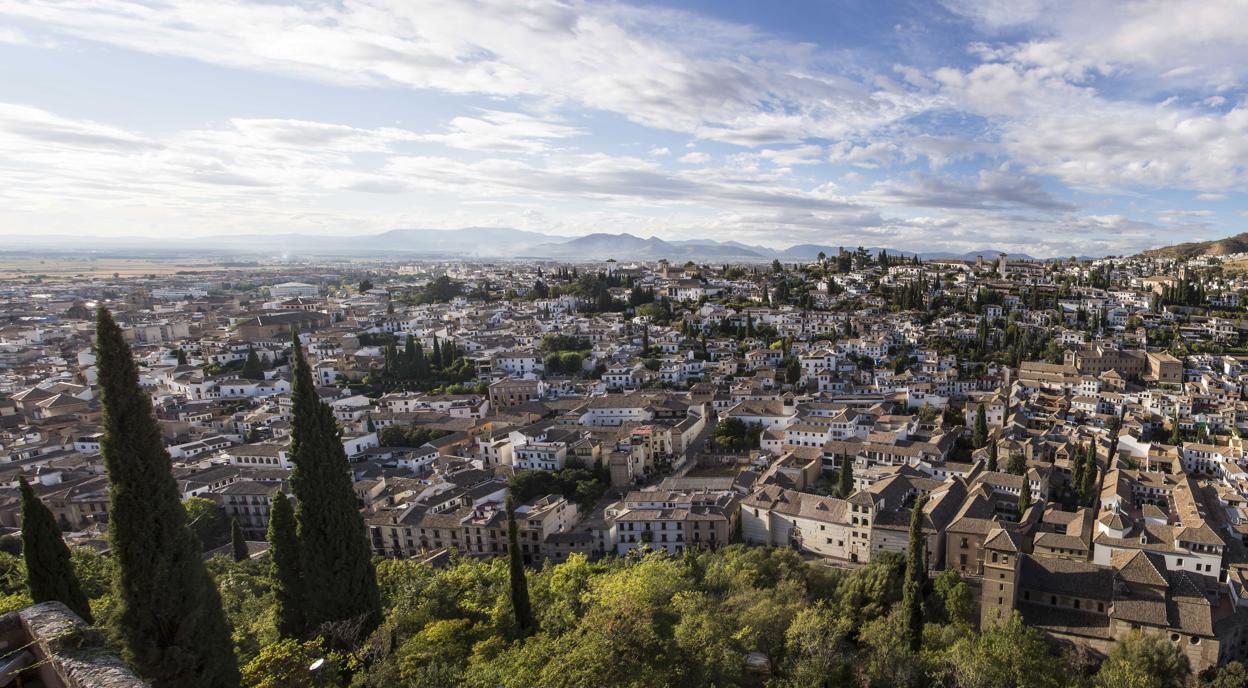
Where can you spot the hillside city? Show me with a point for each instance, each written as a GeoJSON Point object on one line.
{"type": "Point", "coordinates": [1070, 431]}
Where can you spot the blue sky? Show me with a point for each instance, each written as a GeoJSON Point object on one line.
{"type": "Point", "coordinates": [1037, 126]}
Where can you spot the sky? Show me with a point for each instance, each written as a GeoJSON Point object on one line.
{"type": "Point", "coordinates": [1043, 127]}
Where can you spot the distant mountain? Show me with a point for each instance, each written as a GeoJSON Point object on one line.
{"type": "Point", "coordinates": [468, 242]}
{"type": "Point", "coordinates": [1192, 249]}
{"type": "Point", "coordinates": [624, 247]}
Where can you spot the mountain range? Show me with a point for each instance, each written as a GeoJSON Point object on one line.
{"type": "Point", "coordinates": [469, 242]}
{"type": "Point", "coordinates": [1192, 249]}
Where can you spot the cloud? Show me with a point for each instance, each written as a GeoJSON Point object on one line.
{"type": "Point", "coordinates": [1156, 43]}
{"type": "Point", "coordinates": [695, 158]}
{"type": "Point", "coordinates": [660, 152]}
{"type": "Point", "coordinates": [1057, 127]}
{"type": "Point", "coordinates": [992, 189]}
{"type": "Point", "coordinates": [809, 154]}
{"type": "Point", "coordinates": [493, 130]}
{"type": "Point", "coordinates": [661, 68]}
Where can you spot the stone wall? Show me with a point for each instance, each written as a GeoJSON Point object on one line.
{"type": "Point", "coordinates": [70, 652]}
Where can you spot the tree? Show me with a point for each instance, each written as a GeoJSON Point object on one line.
{"type": "Point", "coordinates": [792, 371]}
{"type": "Point", "coordinates": [1144, 660]}
{"type": "Point", "coordinates": [366, 285]}
{"type": "Point", "coordinates": [252, 368]}
{"type": "Point", "coordinates": [206, 519]}
{"type": "Point", "coordinates": [1017, 463]}
{"type": "Point", "coordinates": [287, 664]}
{"type": "Point", "coordinates": [284, 571]}
{"type": "Point", "coordinates": [520, 604]}
{"type": "Point", "coordinates": [1230, 675]}
{"type": "Point", "coordinates": [992, 456]}
{"type": "Point", "coordinates": [238, 543]}
{"type": "Point", "coordinates": [916, 576]}
{"type": "Point", "coordinates": [1176, 436]}
{"type": "Point", "coordinates": [1089, 482]}
{"type": "Point", "coordinates": [1005, 654]}
{"type": "Point", "coordinates": [170, 622]}
{"type": "Point", "coordinates": [1024, 498]}
{"type": "Point", "coordinates": [956, 601]}
{"type": "Point", "coordinates": [339, 584]}
{"type": "Point", "coordinates": [49, 570]}
{"type": "Point", "coordinates": [845, 477]}
{"type": "Point", "coordinates": [979, 437]}
{"type": "Point", "coordinates": [1076, 473]}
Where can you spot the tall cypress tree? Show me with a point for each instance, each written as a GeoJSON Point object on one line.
{"type": "Point", "coordinates": [338, 580]}
{"type": "Point", "coordinates": [992, 456]}
{"type": "Point", "coordinates": [1076, 474]}
{"type": "Point", "coordinates": [284, 575]}
{"type": "Point", "coordinates": [421, 366]}
{"type": "Point", "coordinates": [1024, 498]}
{"type": "Point", "coordinates": [49, 569]}
{"type": "Point", "coordinates": [979, 436]}
{"type": "Point", "coordinates": [1089, 483]}
{"type": "Point", "coordinates": [916, 576]}
{"type": "Point", "coordinates": [845, 478]}
{"type": "Point", "coordinates": [238, 543]}
{"type": "Point", "coordinates": [519, 583]}
{"type": "Point", "coordinates": [170, 621]}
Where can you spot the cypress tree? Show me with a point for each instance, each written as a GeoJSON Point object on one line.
{"type": "Point", "coordinates": [408, 364]}
{"type": "Point", "coordinates": [992, 456]}
{"type": "Point", "coordinates": [980, 436]}
{"type": "Point", "coordinates": [1076, 477]}
{"type": "Point", "coordinates": [238, 543]}
{"type": "Point", "coordinates": [916, 576]}
{"type": "Point", "coordinates": [252, 369]}
{"type": "Point", "coordinates": [519, 583]}
{"type": "Point", "coordinates": [845, 478]}
{"type": "Point", "coordinates": [170, 621]}
{"type": "Point", "coordinates": [49, 569]}
{"type": "Point", "coordinates": [436, 357]}
{"type": "Point", "coordinates": [284, 574]}
{"type": "Point", "coordinates": [422, 364]}
{"type": "Point", "coordinates": [1024, 498]}
{"type": "Point", "coordinates": [338, 580]}
{"type": "Point", "coordinates": [1089, 483]}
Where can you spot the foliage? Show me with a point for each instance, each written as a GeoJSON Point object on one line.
{"type": "Point", "coordinates": [733, 434]}
{"type": "Point", "coordinates": [206, 518]}
{"type": "Point", "coordinates": [238, 543]}
{"type": "Point", "coordinates": [285, 566]}
{"type": "Point", "coordinates": [49, 569]}
{"type": "Point", "coordinates": [170, 619]}
{"type": "Point", "coordinates": [409, 435]}
{"type": "Point", "coordinates": [1144, 660]}
{"type": "Point", "coordinates": [521, 606]}
{"type": "Point", "coordinates": [576, 484]}
{"type": "Point", "coordinates": [337, 579]}
{"type": "Point", "coordinates": [555, 343]}
{"type": "Point", "coordinates": [287, 664]}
